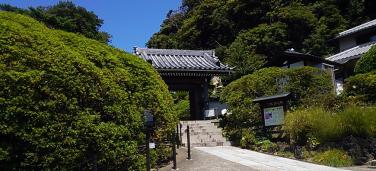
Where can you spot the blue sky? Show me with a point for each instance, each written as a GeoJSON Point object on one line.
{"type": "Point", "coordinates": [130, 22]}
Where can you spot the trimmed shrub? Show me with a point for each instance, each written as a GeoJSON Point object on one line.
{"type": "Point", "coordinates": [306, 82]}
{"type": "Point", "coordinates": [362, 86]}
{"type": "Point", "coordinates": [71, 103]}
{"type": "Point", "coordinates": [334, 157]}
{"type": "Point", "coordinates": [367, 63]}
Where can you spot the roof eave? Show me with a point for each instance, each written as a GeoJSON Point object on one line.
{"type": "Point", "coordinates": [196, 70]}
{"type": "Point", "coordinates": [355, 32]}
{"type": "Point", "coordinates": [311, 57]}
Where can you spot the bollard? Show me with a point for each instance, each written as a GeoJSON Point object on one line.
{"type": "Point", "coordinates": [174, 151]}
{"type": "Point", "coordinates": [181, 134]}
{"type": "Point", "coordinates": [188, 143]}
{"type": "Point", "coordinates": [177, 137]}
{"type": "Point", "coordinates": [147, 150]}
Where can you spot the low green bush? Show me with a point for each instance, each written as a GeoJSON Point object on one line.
{"type": "Point", "coordinates": [362, 86]}
{"type": "Point", "coordinates": [316, 125]}
{"type": "Point", "coordinates": [266, 145]}
{"type": "Point", "coordinates": [286, 154]}
{"type": "Point", "coordinates": [334, 157]}
{"type": "Point", "coordinates": [304, 124]}
{"type": "Point", "coordinates": [358, 121]}
{"type": "Point", "coordinates": [163, 154]}
{"type": "Point", "coordinates": [248, 139]}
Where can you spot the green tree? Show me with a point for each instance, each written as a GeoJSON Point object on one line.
{"type": "Point", "coordinates": [7, 7]}
{"type": "Point", "coordinates": [244, 58]}
{"type": "Point", "coordinates": [72, 103]}
{"type": "Point", "coordinates": [305, 83]}
{"type": "Point", "coordinates": [253, 48]}
{"type": "Point", "coordinates": [68, 17]}
{"type": "Point", "coordinates": [165, 38]}
{"type": "Point", "coordinates": [367, 63]}
{"type": "Point", "coordinates": [329, 24]}
{"type": "Point", "coordinates": [309, 26]}
{"type": "Point", "coordinates": [207, 26]}
{"type": "Point", "coordinates": [296, 16]}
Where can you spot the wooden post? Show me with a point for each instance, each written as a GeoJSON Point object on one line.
{"type": "Point", "coordinates": [147, 150]}
{"type": "Point", "coordinates": [181, 134]}
{"type": "Point", "coordinates": [177, 137]}
{"type": "Point", "coordinates": [263, 118]}
{"type": "Point", "coordinates": [174, 150]}
{"type": "Point", "coordinates": [188, 143]}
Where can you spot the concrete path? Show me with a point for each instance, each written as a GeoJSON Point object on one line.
{"type": "Point", "coordinates": [227, 158]}
{"type": "Point", "coordinates": [202, 161]}
{"type": "Point", "coordinates": [263, 162]}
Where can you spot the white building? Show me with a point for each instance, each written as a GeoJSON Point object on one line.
{"type": "Point", "coordinates": [353, 43]}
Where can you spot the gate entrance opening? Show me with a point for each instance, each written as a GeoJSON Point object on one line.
{"type": "Point", "coordinates": [187, 70]}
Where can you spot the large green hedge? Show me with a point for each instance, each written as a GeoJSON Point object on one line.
{"type": "Point", "coordinates": [68, 102]}
{"type": "Point", "coordinates": [307, 83]}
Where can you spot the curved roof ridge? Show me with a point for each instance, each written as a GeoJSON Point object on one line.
{"type": "Point", "coordinates": [175, 60]}
{"type": "Point", "coordinates": [177, 51]}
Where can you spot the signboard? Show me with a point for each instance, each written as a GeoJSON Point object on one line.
{"type": "Point", "coordinates": [209, 113]}
{"type": "Point", "coordinates": [274, 116]}
{"type": "Point", "coordinates": [151, 145]}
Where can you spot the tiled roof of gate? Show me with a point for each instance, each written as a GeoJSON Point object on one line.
{"type": "Point", "coordinates": [353, 53]}
{"type": "Point", "coordinates": [182, 60]}
{"type": "Point", "coordinates": [364, 26]}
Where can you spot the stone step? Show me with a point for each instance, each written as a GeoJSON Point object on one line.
{"type": "Point", "coordinates": [204, 131]}
{"type": "Point", "coordinates": [206, 138]}
{"type": "Point", "coordinates": [209, 144]}
{"type": "Point", "coordinates": [197, 141]}
{"type": "Point", "coordinates": [203, 134]}
{"type": "Point", "coordinates": [199, 127]}
{"type": "Point", "coordinates": [198, 121]}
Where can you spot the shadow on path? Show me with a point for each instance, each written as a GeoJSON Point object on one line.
{"type": "Point", "coordinates": [202, 161]}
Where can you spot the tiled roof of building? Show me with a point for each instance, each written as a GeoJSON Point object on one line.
{"type": "Point", "coordinates": [306, 56]}
{"type": "Point", "coordinates": [183, 60]}
{"type": "Point", "coordinates": [353, 53]}
{"type": "Point", "coordinates": [364, 26]}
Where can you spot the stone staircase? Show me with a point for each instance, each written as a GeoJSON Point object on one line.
{"type": "Point", "coordinates": [203, 134]}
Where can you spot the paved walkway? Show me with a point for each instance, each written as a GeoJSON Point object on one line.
{"type": "Point", "coordinates": [227, 158]}
{"type": "Point", "coordinates": [264, 162]}
{"type": "Point", "coordinates": [202, 161]}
